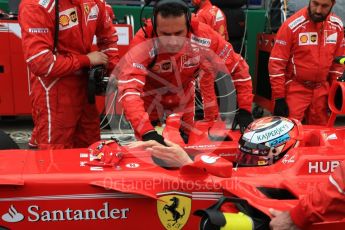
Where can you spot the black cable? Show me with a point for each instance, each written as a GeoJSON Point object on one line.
{"type": "Point", "coordinates": [153, 62]}
{"type": "Point", "coordinates": [56, 34]}
{"type": "Point", "coordinates": [147, 2]}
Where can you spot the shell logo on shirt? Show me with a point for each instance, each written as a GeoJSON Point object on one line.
{"type": "Point", "coordinates": [310, 38]}
{"type": "Point", "coordinates": [64, 20]}
{"type": "Point", "coordinates": [303, 39]}
{"type": "Point", "coordinates": [156, 68]}
{"type": "Point", "coordinates": [163, 66]}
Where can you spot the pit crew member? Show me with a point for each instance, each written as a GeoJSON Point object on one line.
{"type": "Point", "coordinates": [144, 97]}
{"type": "Point", "coordinates": [325, 203]}
{"type": "Point", "coordinates": [58, 74]}
{"type": "Point", "coordinates": [301, 66]}
{"type": "Point", "coordinates": [212, 16]}
{"type": "Point", "coordinates": [215, 18]}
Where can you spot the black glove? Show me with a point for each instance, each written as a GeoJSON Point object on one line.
{"type": "Point", "coordinates": [281, 108]}
{"type": "Point", "coordinates": [243, 118]}
{"type": "Point", "coordinates": [153, 135]}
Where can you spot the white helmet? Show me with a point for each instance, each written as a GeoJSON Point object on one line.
{"type": "Point", "coordinates": [266, 140]}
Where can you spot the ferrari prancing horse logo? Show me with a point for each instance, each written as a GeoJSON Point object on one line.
{"type": "Point", "coordinates": [86, 9]}
{"type": "Point", "coordinates": [173, 211]}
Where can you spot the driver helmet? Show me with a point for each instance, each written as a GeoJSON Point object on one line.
{"type": "Point", "coordinates": [268, 139]}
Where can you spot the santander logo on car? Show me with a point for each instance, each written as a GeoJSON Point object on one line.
{"type": "Point", "coordinates": [36, 213]}
{"type": "Point", "coordinates": [12, 215]}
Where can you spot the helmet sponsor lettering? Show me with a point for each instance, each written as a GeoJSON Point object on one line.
{"type": "Point", "coordinates": [270, 134]}
{"type": "Point", "coordinates": [279, 140]}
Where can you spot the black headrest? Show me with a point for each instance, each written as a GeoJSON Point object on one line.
{"type": "Point", "coordinates": [229, 3]}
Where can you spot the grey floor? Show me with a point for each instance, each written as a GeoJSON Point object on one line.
{"type": "Point", "coordinates": [20, 128]}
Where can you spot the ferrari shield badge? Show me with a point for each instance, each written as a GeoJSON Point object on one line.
{"type": "Point", "coordinates": [174, 210]}
{"type": "Point", "coordinates": [86, 9]}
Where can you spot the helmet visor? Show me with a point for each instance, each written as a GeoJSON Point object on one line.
{"type": "Point", "coordinates": [246, 159]}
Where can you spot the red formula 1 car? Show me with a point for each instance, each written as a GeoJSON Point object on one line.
{"type": "Point", "coordinates": [108, 186]}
